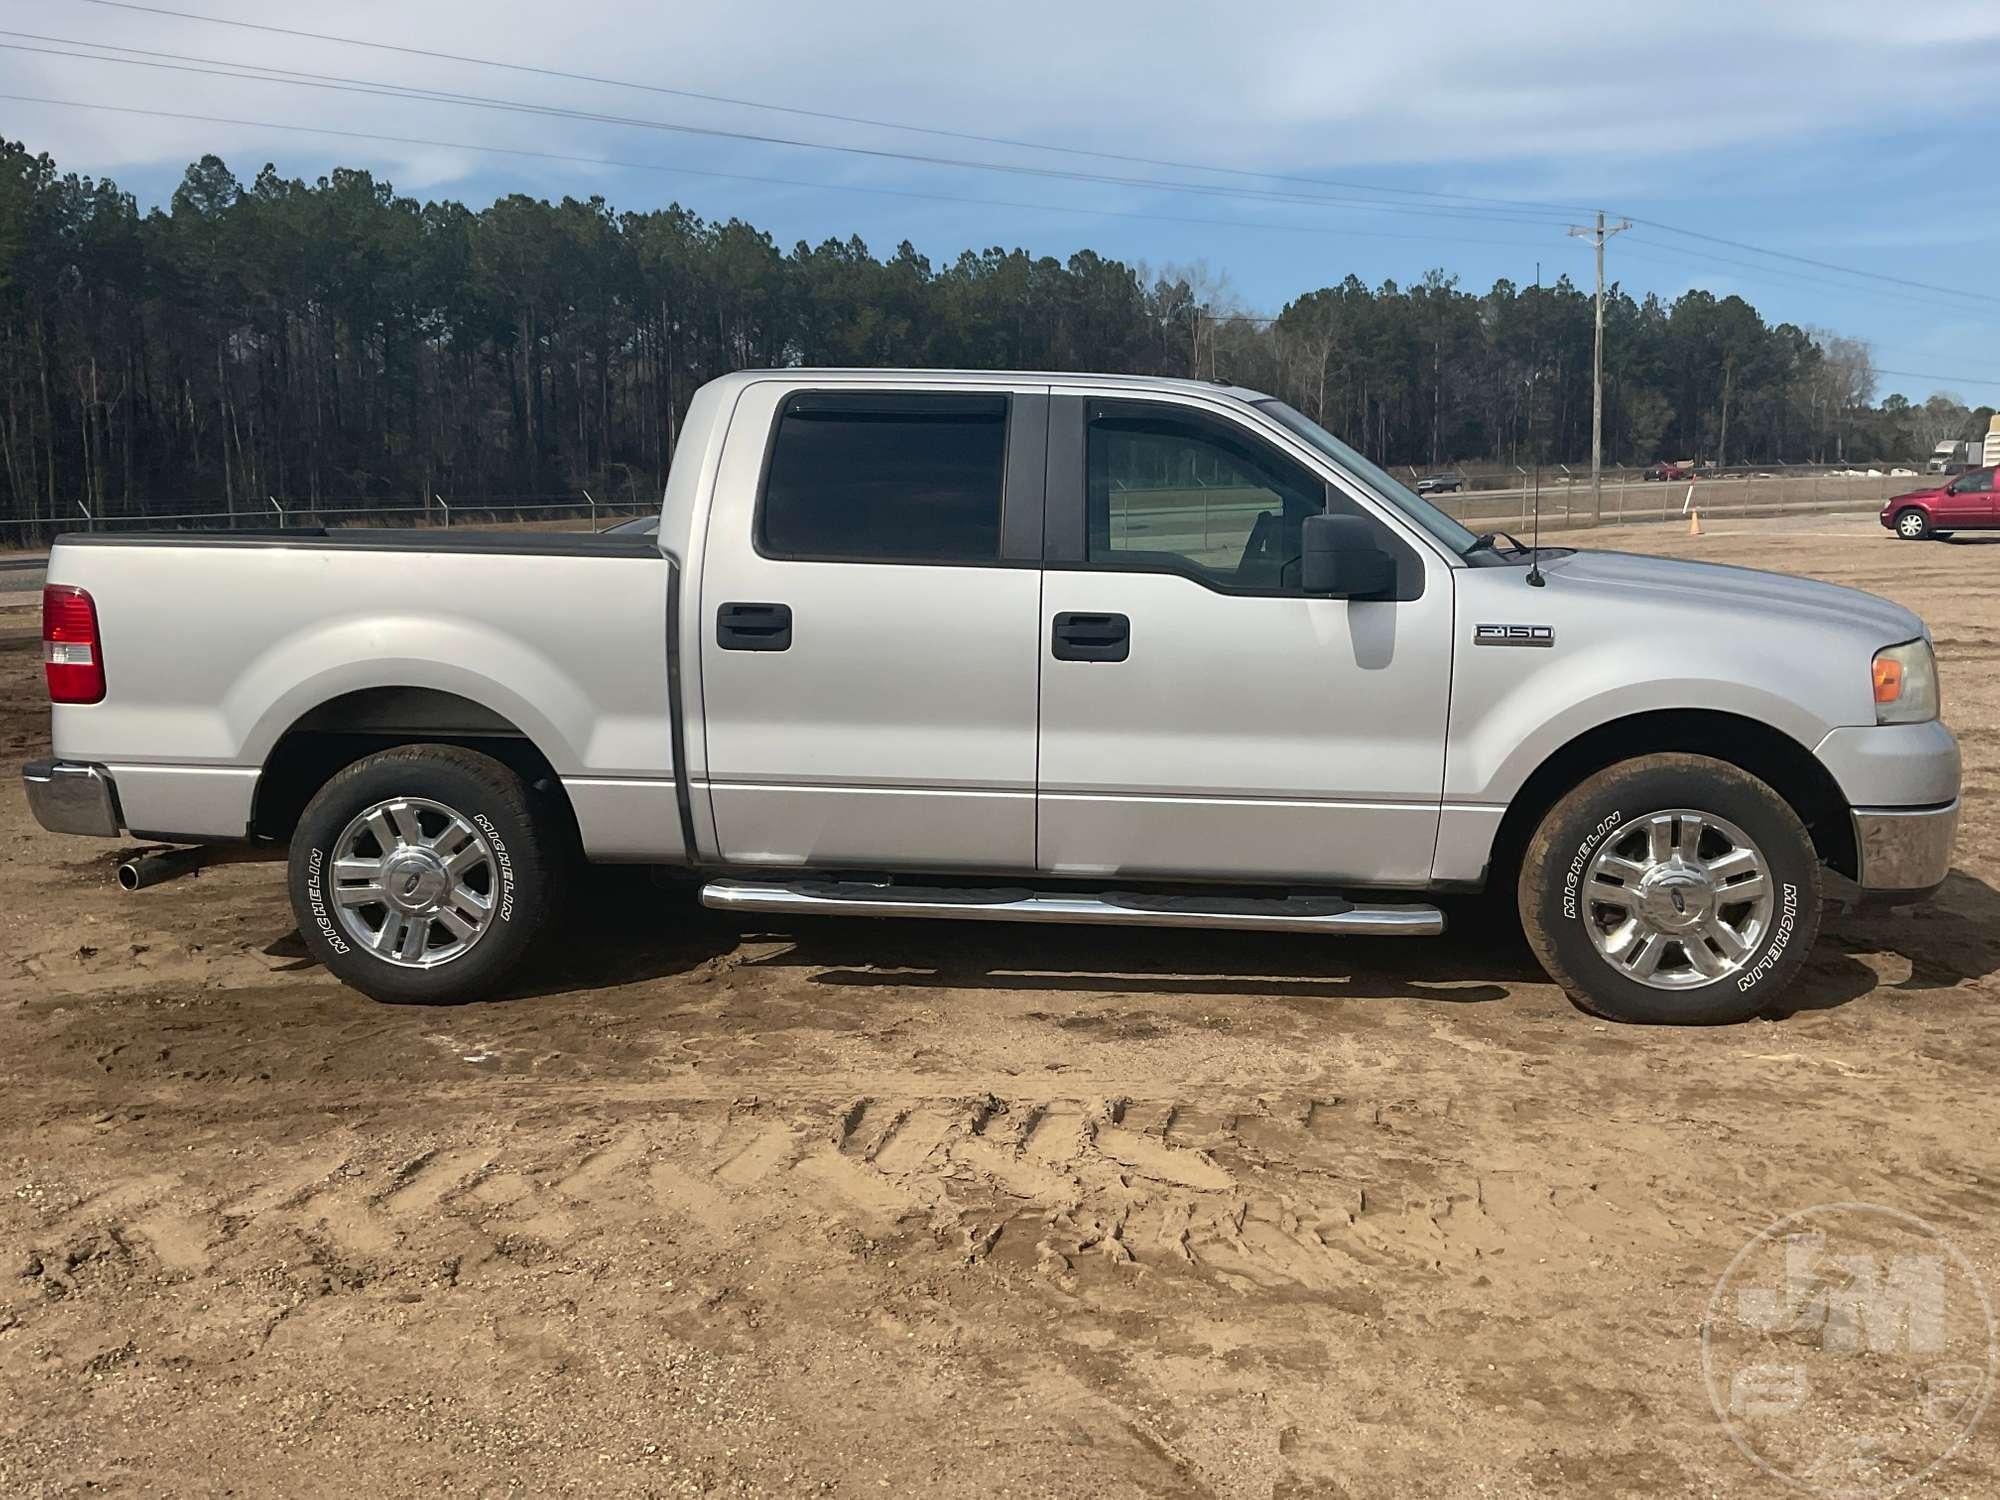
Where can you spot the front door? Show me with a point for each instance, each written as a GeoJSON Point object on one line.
{"type": "Point", "coordinates": [1200, 716]}
{"type": "Point", "coordinates": [1967, 501]}
{"type": "Point", "coordinates": [869, 597]}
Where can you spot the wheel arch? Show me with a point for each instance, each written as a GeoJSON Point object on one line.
{"type": "Point", "coordinates": [351, 726]}
{"type": "Point", "coordinates": [1774, 757]}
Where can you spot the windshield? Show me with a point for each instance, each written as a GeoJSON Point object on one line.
{"type": "Point", "coordinates": [1392, 489]}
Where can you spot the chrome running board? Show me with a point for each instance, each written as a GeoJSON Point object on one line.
{"type": "Point", "coordinates": [1328, 914]}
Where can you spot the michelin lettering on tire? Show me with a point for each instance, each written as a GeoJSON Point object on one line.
{"type": "Point", "coordinates": [1781, 938]}
{"type": "Point", "coordinates": [1581, 860]}
{"type": "Point", "coordinates": [504, 864]}
{"type": "Point", "coordinates": [316, 899]}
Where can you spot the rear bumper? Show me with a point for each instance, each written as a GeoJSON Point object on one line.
{"type": "Point", "coordinates": [1904, 850]}
{"type": "Point", "coordinates": [70, 797]}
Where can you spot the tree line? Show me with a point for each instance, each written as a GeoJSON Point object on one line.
{"type": "Point", "coordinates": [335, 341]}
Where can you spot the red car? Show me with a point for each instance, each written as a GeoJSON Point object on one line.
{"type": "Point", "coordinates": [1965, 504]}
{"type": "Point", "coordinates": [1668, 470]}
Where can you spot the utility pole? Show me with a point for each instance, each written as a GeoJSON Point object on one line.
{"type": "Point", "coordinates": [1597, 237]}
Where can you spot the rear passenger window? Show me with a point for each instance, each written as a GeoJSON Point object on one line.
{"type": "Point", "coordinates": [886, 478]}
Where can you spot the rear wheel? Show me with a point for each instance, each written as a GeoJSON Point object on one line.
{"type": "Point", "coordinates": [1912, 525]}
{"type": "Point", "coordinates": [422, 874]}
{"type": "Point", "coordinates": [1671, 889]}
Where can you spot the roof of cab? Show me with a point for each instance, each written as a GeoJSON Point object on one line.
{"type": "Point", "coordinates": [987, 377]}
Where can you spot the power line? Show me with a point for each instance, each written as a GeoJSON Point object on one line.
{"type": "Point", "coordinates": [818, 114]}
{"type": "Point", "coordinates": [1923, 296]}
{"type": "Point", "coordinates": [1824, 265]}
{"type": "Point", "coordinates": [1258, 318]}
{"type": "Point", "coordinates": [1985, 380]}
{"type": "Point", "coordinates": [837, 187]}
{"type": "Point", "coordinates": [379, 89]}
{"type": "Point", "coordinates": [1012, 142]}
{"type": "Point", "coordinates": [1774, 275]}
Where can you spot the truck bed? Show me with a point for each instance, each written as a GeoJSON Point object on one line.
{"type": "Point", "coordinates": [218, 645]}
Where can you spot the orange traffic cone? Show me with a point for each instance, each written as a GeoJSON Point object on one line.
{"type": "Point", "coordinates": [1694, 522]}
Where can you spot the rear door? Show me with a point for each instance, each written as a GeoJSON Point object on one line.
{"type": "Point", "coordinates": [869, 599]}
{"type": "Point", "coordinates": [1201, 717]}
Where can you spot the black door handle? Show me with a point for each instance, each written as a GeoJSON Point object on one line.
{"type": "Point", "coordinates": [1081, 637]}
{"type": "Point", "coordinates": [754, 627]}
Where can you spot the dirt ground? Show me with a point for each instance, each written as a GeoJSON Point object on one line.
{"type": "Point", "coordinates": [725, 1205]}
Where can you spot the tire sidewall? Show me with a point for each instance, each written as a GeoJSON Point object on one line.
{"type": "Point", "coordinates": [1616, 799]}
{"type": "Point", "coordinates": [494, 802]}
{"type": "Point", "coordinates": [1923, 531]}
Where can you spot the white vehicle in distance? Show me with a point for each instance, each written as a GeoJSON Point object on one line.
{"type": "Point", "coordinates": [1031, 648]}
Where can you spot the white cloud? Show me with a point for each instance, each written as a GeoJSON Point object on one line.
{"type": "Point", "coordinates": [1484, 92]}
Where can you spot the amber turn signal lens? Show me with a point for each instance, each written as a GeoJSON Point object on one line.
{"type": "Point", "coordinates": [1906, 684]}
{"type": "Point", "coordinates": [1888, 679]}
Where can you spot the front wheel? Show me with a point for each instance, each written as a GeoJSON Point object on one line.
{"type": "Point", "coordinates": [1671, 889]}
{"type": "Point", "coordinates": [422, 874]}
{"type": "Point", "coordinates": [1913, 525]}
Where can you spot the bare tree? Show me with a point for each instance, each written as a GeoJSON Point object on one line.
{"type": "Point", "coordinates": [1942, 419]}
{"type": "Point", "coordinates": [1847, 369]}
{"type": "Point", "coordinates": [1205, 301]}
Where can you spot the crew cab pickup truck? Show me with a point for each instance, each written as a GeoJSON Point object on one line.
{"type": "Point", "coordinates": [1029, 648]}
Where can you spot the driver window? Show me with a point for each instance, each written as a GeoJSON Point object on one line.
{"type": "Point", "coordinates": [1175, 491]}
{"type": "Point", "coordinates": [1976, 483]}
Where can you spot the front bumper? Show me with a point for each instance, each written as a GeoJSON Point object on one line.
{"type": "Point", "coordinates": [1904, 850]}
{"type": "Point", "coordinates": [70, 797]}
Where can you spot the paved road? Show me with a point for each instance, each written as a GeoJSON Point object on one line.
{"type": "Point", "coordinates": [21, 575]}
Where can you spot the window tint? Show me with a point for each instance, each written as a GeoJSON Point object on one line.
{"type": "Point", "coordinates": [1976, 483]}
{"type": "Point", "coordinates": [1455, 536]}
{"type": "Point", "coordinates": [912, 478]}
{"type": "Point", "coordinates": [1171, 489]}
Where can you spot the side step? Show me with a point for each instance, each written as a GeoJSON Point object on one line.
{"type": "Point", "coordinates": [1107, 909]}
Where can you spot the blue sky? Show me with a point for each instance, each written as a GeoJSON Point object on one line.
{"type": "Point", "coordinates": [1450, 134]}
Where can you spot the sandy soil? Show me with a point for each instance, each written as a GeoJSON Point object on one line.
{"type": "Point", "coordinates": [723, 1206]}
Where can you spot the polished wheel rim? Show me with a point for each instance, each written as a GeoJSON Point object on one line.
{"type": "Point", "coordinates": [1677, 899]}
{"type": "Point", "coordinates": [413, 882]}
{"type": "Point", "coordinates": [1912, 525]}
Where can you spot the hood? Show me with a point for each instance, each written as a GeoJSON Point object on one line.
{"type": "Point", "coordinates": [1741, 590]}
{"type": "Point", "coordinates": [1928, 492]}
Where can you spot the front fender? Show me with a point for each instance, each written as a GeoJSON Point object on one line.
{"type": "Point", "coordinates": [1492, 754]}
{"type": "Point", "coordinates": [1628, 635]}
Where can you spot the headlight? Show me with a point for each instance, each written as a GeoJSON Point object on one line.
{"type": "Point", "coordinates": [1906, 685]}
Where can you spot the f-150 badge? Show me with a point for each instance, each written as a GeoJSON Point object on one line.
{"type": "Point", "coordinates": [1513, 635]}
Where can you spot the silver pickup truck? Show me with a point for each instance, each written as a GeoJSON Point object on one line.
{"type": "Point", "coordinates": [1031, 648]}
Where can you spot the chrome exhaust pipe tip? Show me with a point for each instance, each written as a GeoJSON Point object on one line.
{"type": "Point", "coordinates": [142, 870]}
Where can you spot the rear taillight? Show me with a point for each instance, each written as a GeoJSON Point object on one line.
{"type": "Point", "coordinates": [72, 656]}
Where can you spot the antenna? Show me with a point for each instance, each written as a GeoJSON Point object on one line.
{"type": "Point", "coordinates": [1535, 579]}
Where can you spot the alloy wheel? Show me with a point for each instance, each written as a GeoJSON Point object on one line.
{"type": "Point", "coordinates": [414, 882]}
{"type": "Point", "coordinates": [1678, 899]}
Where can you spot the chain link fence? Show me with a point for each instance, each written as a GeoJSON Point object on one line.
{"type": "Point", "coordinates": [578, 511]}
{"type": "Point", "coordinates": [1489, 498]}
{"type": "Point", "coordinates": [1632, 495]}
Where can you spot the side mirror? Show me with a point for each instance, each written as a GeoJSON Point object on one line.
{"type": "Point", "coordinates": [1339, 558]}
